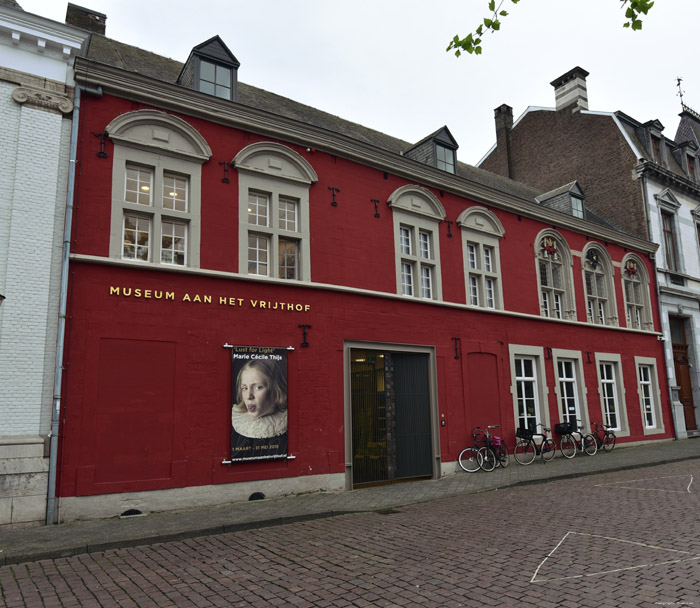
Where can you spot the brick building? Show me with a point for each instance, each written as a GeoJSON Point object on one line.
{"type": "Point", "coordinates": [265, 298]}
{"type": "Point", "coordinates": [643, 182]}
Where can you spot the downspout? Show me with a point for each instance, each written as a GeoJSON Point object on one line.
{"type": "Point", "coordinates": [63, 306]}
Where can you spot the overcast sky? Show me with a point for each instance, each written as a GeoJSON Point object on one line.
{"type": "Point", "coordinates": [382, 63]}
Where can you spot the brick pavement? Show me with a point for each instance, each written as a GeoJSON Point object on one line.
{"type": "Point", "coordinates": [44, 542]}
{"type": "Point", "coordinates": [620, 539]}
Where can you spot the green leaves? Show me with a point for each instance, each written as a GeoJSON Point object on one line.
{"type": "Point", "coordinates": [471, 43]}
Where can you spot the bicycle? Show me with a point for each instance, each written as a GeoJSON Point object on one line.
{"type": "Point", "coordinates": [570, 445]}
{"type": "Point", "coordinates": [526, 448]}
{"type": "Point", "coordinates": [486, 454]}
{"type": "Point", "coordinates": [607, 442]}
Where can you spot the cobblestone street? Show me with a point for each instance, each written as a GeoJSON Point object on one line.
{"type": "Point", "coordinates": [626, 539]}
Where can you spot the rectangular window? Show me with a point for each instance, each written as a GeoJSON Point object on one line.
{"type": "Point", "coordinates": [258, 254]}
{"type": "Point", "coordinates": [426, 280]}
{"type": "Point", "coordinates": [647, 395]}
{"type": "Point", "coordinates": [609, 389]}
{"type": "Point", "coordinates": [576, 207]}
{"type": "Point", "coordinates": [473, 291]}
{"type": "Point", "coordinates": [173, 246]}
{"type": "Point", "coordinates": [690, 159]}
{"type": "Point", "coordinates": [488, 259]}
{"type": "Point", "coordinates": [288, 254]}
{"type": "Point", "coordinates": [471, 256]}
{"type": "Point", "coordinates": [482, 276]}
{"type": "Point", "coordinates": [424, 242]}
{"type": "Point", "coordinates": [527, 393]}
{"type": "Point", "coordinates": [288, 214]}
{"type": "Point", "coordinates": [445, 158]}
{"type": "Point", "coordinates": [136, 238]}
{"type": "Point", "coordinates": [258, 209]}
{"type": "Point", "coordinates": [214, 79]}
{"type": "Point", "coordinates": [406, 241]}
{"type": "Point", "coordinates": [175, 192]}
{"type": "Point", "coordinates": [406, 279]}
{"type": "Point", "coordinates": [139, 185]}
{"type": "Point", "coordinates": [568, 391]}
{"type": "Point", "coordinates": [490, 293]}
{"type": "Point", "coordinates": [656, 148]}
{"type": "Point", "coordinates": [669, 241]}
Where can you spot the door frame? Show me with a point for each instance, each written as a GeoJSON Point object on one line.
{"type": "Point", "coordinates": [348, 345]}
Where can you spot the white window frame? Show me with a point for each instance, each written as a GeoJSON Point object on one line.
{"type": "Point", "coordinates": [575, 359]}
{"type": "Point", "coordinates": [535, 354]}
{"type": "Point", "coordinates": [594, 301]}
{"type": "Point", "coordinates": [649, 390]}
{"type": "Point", "coordinates": [164, 145]}
{"type": "Point", "coordinates": [417, 211]}
{"type": "Point", "coordinates": [281, 175]}
{"type": "Point", "coordinates": [618, 386]}
{"type": "Point", "coordinates": [637, 313]}
{"type": "Point", "coordinates": [555, 302]}
{"type": "Point", "coordinates": [481, 232]}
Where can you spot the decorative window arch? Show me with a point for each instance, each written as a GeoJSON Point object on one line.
{"type": "Point", "coordinates": [417, 214]}
{"type": "Point", "coordinates": [156, 188]}
{"type": "Point", "coordinates": [481, 235]}
{"type": "Point", "coordinates": [554, 276]}
{"type": "Point", "coordinates": [273, 211]}
{"type": "Point", "coordinates": [598, 283]}
{"type": "Point", "coordinates": [635, 287]}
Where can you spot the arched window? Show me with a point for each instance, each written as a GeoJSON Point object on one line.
{"type": "Point", "coordinates": [273, 211]}
{"type": "Point", "coordinates": [481, 235]}
{"type": "Point", "coordinates": [598, 283]}
{"type": "Point", "coordinates": [156, 188]}
{"type": "Point", "coordinates": [554, 276]}
{"type": "Point", "coordinates": [417, 214]}
{"type": "Point", "coordinates": [635, 283]}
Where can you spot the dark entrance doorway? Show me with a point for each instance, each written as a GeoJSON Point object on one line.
{"type": "Point", "coordinates": [390, 400]}
{"type": "Point", "coordinates": [681, 366]}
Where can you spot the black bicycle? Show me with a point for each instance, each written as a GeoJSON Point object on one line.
{"type": "Point", "coordinates": [488, 451]}
{"type": "Point", "coordinates": [526, 448]}
{"type": "Point", "coordinates": [604, 437]}
{"type": "Point", "coordinates": [572, 439]}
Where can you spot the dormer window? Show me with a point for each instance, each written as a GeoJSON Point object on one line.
{"type": "Point", "coordinates": [576, 206]}
{"type": "Point", "coordinates": [214, 79]}
{"type": "Point", "coordinates": [212, 69]}
{"type": "Point", "coordinates": [690, 161]}
{"type": "Point", "coordinates": [445, 158]}
{"type": "Point", "coordinates": [656, 148]}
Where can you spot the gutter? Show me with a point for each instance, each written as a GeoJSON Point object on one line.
{"type": "Point", "coordinates": [51, 514]}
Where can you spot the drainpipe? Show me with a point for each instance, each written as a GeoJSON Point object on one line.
{"type": "Point", "coordinates": [63, 306]}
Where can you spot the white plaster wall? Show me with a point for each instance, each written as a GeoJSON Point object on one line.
{"type": "Point", "coordinates": [30, 212]}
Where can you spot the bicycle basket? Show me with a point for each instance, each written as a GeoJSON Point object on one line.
{"type": "Point", "coordinates": [565, 428]}
{"type": "Point", "coordinates": [496, 441]}
{"type": "Point", "coordinates": [522, 433]}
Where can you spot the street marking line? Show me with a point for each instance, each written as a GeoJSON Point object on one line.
{"type": "Point", "coordinates": [620, 540]}
{"type": "Point", "coordinates": [618, 484]}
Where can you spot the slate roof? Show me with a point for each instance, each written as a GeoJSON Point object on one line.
{"type": "Point", "coordinates": [133, 59]}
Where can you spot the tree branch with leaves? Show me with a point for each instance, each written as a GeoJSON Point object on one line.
{"type": "Point", "coordinates": [472, 42]}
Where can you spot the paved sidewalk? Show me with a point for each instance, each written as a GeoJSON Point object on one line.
{"type": "Point", "coordinates": [47, 542]}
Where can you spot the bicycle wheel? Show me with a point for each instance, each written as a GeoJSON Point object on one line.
{"type": "Point", "coordinates": [487, 459]}
{"type": "Point", "coordinates": [502, 455]}
{"type": "Point", "coordinates": [524, 451]}
{"type": "Point", "coordinates": [609, 442]}
{"type": "Point", "coordinates": [548, 449]}
{"type": "Point", "coordinates": [590, 446]}
{"type": "Point", "coordinates": [469, 460]}
{"type": "Point", "coordinates": [567, 445]}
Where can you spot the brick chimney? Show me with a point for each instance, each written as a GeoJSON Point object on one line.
{"type": "Point", "coordinates": [86, 19]}
{"type": "Point", "coordinates": [503, 116]}
{"type": "Point", "coordinates": [570, 90]}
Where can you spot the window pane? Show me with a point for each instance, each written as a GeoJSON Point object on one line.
{"type": "Point", "coordinates": [136, 237]}
{"type": "Point", "coordinates": [471, 254]}
{"type": "Point", "coordinates": [258, 249]}
{"type": "Point", "coordinates": [490, 293]}
{"type": "Point", "coordinates": [405, 237]}
{"type": "Point", "coordinates": [223, 76]}
{"type": "Point", "coordinates": [207, 71]}
{"type": "Point", "coordinates": [406, 279]}
{"type": "Point", "coordinates": [173, 245]}
{"type": "Point", "coordinates": [288, 214]}
{"type": "Point", "coordinates": [473, 291]}
{"type": "Point", "coordinates": [488, 264]}
{"type": "Point", "coordinates": [258, 209]}
{"type": "Point", "coordinates": [288, 255]}
{"type": "Point", "coordinates": [175, 192]}
{"type": "Point", "coordinates": [426, 279]}
{"type": "Point", "coordinates": [424, 240]}
{"type": "Point", "coordinates": [138, 187]}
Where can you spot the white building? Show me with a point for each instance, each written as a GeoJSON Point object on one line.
{"type": "Point", "coordinates": [36, 108]}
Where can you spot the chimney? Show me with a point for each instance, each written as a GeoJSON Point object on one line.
{"type": "Point", "coordinates": [503, 116]}
{"type": "Point", "coordinates": [86, 19]}
{"type": "Point", "coordinates": [570, 89]}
